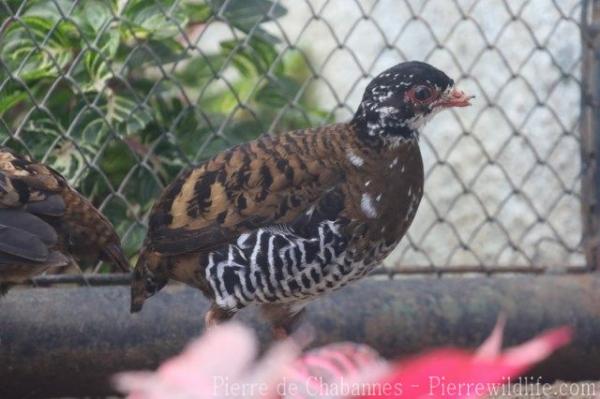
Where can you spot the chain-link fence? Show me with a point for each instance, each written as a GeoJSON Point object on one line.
{"type": "Point", "coordinates": [121, 95]}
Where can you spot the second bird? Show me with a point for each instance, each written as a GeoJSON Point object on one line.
{"type": "Point", "coordinates": [283, 219]}
{"type": "Point", "coordinates": [45, 224]}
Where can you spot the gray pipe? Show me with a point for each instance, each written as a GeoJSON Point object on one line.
{"type": "Point", "coordinates": [69, 341]}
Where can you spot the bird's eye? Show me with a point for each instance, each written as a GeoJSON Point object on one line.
{"type": "Point", "coordinates": [422, 93]}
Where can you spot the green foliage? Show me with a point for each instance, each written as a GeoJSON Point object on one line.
{"type": "Point", "coordinates": [115, 95]}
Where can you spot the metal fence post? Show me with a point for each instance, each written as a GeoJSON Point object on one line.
{"type": "Point", "coordinates": [590, 131]}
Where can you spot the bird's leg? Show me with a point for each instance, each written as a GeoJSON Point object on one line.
{"type": "Point", "coordinates": [216, 315]}
{"type": "Point", "coordinates": [283, 318]}
{"type": "Point", "coordinates": [280, 333]}
{"type": "Point", "coordinates": [4, 288]}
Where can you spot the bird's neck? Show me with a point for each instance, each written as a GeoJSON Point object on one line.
{"type": "Point", "coordinates": [382, 126]}
{"type": "Point", "coordinates": [344, 146]}
{"type": "Point", "coordinates": [380, 158]}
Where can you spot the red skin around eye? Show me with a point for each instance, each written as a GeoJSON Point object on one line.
{"type": "Point", "coordinates": [410, 95]}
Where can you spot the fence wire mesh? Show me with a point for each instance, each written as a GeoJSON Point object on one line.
{"type": "Point", "coordinates": [121, 95]}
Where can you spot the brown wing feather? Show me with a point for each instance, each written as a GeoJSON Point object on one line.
{"type": "Point", "coordinates": [23, 183]}
{"type": "Point", "coordinates": [36, 189]}
{"type": "Point", "coordinates": [268, 181]}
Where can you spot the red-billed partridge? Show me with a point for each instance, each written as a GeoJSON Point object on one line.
{"type": "Point", "coordinates": [283, 219]}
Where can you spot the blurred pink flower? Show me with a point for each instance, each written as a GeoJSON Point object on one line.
{"type": "Point", "coordinates": [452, 373]}
{"type": "Point", "coordinates": [324, 372]}
{"type": "Point", "coordinates": [222, 364]}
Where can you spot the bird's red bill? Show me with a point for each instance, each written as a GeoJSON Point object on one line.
{"type": "Point", "coordinates": [457, 98]}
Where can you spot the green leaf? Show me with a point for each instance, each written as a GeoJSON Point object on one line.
{"type": "Point", "coordinates": [95, 15]}
{"type": "Point", "coordinates": [247, 14]}
{"type": "Point", "coordinates": [95, 132]}
{"type": "Point", "coordinates": [278, 92]}
{"type": "Point", "coordinates": [51, 10]}
{"type": "Point", "coordinates": [116, 161]}
{"type": "Point", "coordinates": [134, 239]}
{"type": "Point", "coordinates": [38, 25]}
{"type": "Point", "coordinates": [252, 58]}
{"type": "Point", "coordinates": [96, 63]}
{"type": "Point", "coordinates": [70, 161]}
{"type": "Point", "coordinates": [142, 185]}
{"type": "Point", "coordinates": [201, 69]}
{"type": "Point", "coordinates": [8, 101]}
{"type": "Point", "coordinates": [155, 53]}
{"type": "Point", "coordinates": [57, 34]}
{"type": "Point", "coordinates": [135, 116]}
{"type": "Point", "coordinates": [38, 47]}
{"type": "Point", "coordinates": [148, 20]}
{"type": "Point", "coordinates": [10, 7]}
{"type": "Point", "coordinates": [198, 13]}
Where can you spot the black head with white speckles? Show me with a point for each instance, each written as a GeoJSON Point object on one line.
{"type": "Point", "coordinates": [402, 99]}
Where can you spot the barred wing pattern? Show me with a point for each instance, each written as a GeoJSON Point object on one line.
{"type": "Point", "coordinates": [277, 265]}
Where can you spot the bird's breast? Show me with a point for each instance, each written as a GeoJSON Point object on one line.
{"type": "Point", "coordinates": [384, 193]}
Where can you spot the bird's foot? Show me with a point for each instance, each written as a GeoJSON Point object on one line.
{"type": "Point", "coordinates": [210, 320]}
{"type": "Point", "coordinates": [215, 316]}
{"type": "Point", "coordinates": [280, 333]}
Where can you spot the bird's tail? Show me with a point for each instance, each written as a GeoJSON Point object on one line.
{"type": "Point", "coordinates": [147, 280]}
{"type": "Point", "coordinates": [114, 253]}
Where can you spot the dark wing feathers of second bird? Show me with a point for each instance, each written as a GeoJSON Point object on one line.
{"type": "Point", "coordinates": [25, 238]}
{"type": "Point", "coordinates": [45, 223]}
{"type": "Point", "coordinates": [24, 235]}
